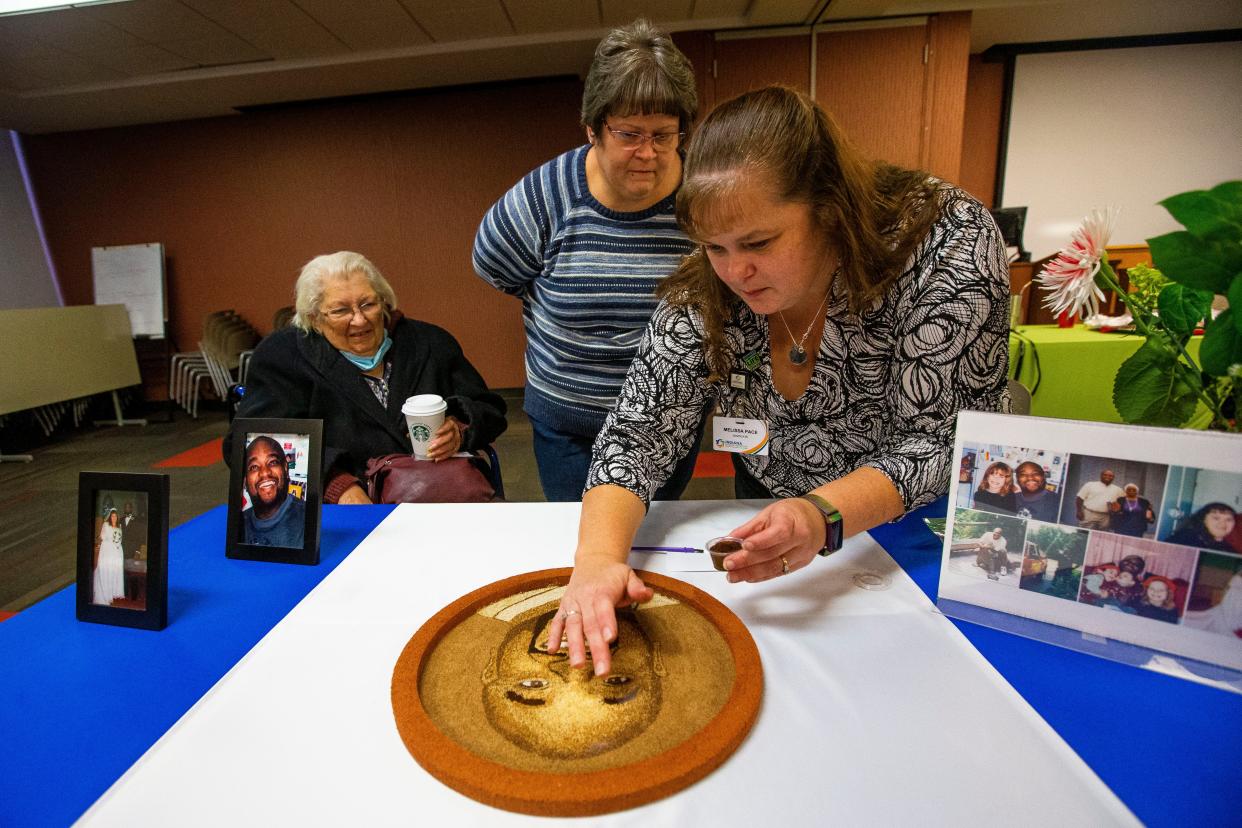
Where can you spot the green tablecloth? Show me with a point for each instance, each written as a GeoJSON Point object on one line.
{"type": "Point", "coordinates": [1076, 367]}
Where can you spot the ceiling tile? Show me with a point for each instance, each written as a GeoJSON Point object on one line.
{"type": "Point", "coordinates": [713, 9]}
{"type": "Point", "coordinates": [16, 77]}
{"type": "Point", "coordinates": [70, 69]}
{"type": "Point", "coordinates": [215, 51]}
{"type": "Point", "coordinates": [146, 59]}
{"type": "Point", "coordinates": [332, 12]}
{"type": "Point", "coordinates": [307, 41]}
{"type": "Point", "coordinates": [467, 24]}
{"type": "Point", "coordinates": [783, 12]}
{"type": "Point", "coordinates": [245, 18]}
{"type": "Point", "coordinates": [620, 12]}
{"type": "Point", "coordinates": [420, 7]}
{"type": "Point", "coordinates": [16, 49]}
{"type": "Point", "coordinates": [69, 29]}
{"type": "Point", "coordinates": [531, 16]}
{"type": "Point", "coordinates": [370, 35]}
{"type": "Point", "coordinates": [155, 20]}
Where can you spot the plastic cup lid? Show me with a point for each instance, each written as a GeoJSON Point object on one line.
{"type": "Point", "coordinates": [424, 404]}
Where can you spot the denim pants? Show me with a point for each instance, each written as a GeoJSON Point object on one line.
{"type": "Point", "coordinates": [564, 460]}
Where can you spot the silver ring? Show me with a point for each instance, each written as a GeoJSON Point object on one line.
{"type": "Point", "coordinates": [570, 612]}
{"type": "Point", "coordinates": [784, 566]}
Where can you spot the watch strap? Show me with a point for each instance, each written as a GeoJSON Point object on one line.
{"type": "Point", "coordinates": [834, 526]}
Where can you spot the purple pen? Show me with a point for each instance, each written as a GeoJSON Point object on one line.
{"type": "Point", "coordinates": [664, 549]}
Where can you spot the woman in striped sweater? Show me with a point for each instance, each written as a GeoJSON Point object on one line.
{"type": "Point", "coordinates": [584, 239]}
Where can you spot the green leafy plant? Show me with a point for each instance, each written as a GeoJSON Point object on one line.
{"type": "Point", "coordinates": [1145, 285]}
{"type": "Point", "coordinates": [1162, 384]}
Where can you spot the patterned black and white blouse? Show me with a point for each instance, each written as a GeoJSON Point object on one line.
{"type": "Point", "coordinates": [884, 392]}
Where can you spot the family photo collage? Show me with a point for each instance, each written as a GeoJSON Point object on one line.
{"type": "Point", "coordinates": [1155, 541]}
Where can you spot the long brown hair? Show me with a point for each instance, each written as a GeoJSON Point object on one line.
{"type": "Point", "coordinates": [997, 466]}
{"type": "Point", "coordinates": [873, 214]}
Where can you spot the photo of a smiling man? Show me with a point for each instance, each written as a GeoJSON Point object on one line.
{"type": "Point", "coordinates": [276, 516]}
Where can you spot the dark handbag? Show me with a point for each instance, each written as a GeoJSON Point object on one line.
{"type": "Point", "coordinates": [400, 478]}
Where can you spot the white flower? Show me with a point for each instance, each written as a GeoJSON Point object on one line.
{"type": "Point", "coordinates": [1070, 277]}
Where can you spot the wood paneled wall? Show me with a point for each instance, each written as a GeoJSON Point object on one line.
{"type": "Point", "coordinates": [749, 63]}
{"type": "Point", "coordinates": [981, 128]}
{"type": "Point", "coordinates": [898, 91]}
{"type": "Point", "coordinates": [241, 203]}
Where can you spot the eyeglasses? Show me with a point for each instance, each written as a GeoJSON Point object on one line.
{"type": "Point", "coordinates": [660, 142]}
{"type": "Point", "coordinates": [339, 315]}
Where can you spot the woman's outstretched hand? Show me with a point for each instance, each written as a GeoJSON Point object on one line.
{"type": "Point", "coordinates": [586, 622]}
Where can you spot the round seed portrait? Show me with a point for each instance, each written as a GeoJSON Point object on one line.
{"type": "Point", "coordinates": [484, 707]}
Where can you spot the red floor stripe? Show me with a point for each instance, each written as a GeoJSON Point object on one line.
{"type": "Point", "coordinates": [713, 464]}
{"type": "Point", "coordinates": [5, 616]}
{"type": "Point", "coordinates": [205, 455]}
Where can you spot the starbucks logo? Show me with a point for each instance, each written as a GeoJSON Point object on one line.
{"type": "Point", "coordinates": [420, 433]}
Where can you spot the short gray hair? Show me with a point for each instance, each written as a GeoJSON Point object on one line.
{"type": "Point", "coordinates": [638, 70]}
{"type": "Point", "coordinates": [309, 290]}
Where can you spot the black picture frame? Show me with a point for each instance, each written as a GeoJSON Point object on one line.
{"type": "Point", "coordinates": [151, 611]}
{"type": "Point", "coordinates": [236, 545]}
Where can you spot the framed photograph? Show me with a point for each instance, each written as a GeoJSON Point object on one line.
{"type": "Point", "coordinates": [274, 490]}
{"type": "Point", "coordinates": [1122, 541]}
{"type": "Point", "coordinates": [123, 549]}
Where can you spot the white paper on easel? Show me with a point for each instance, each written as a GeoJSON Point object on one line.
{"type": "Point", "coordinates": [133, 275]}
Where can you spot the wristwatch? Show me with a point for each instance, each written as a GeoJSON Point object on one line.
{"type": "Point", "coordinates": [834, 527]}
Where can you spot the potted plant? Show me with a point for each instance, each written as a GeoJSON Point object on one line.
{"type": "Point", "coordinates": [1162, 383]}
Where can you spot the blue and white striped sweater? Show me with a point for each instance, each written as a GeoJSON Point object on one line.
{"type": "Point", "coordinates": [586, 276]}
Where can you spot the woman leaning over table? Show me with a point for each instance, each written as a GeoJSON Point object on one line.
{"type": "Point", "coordinates": [860, 305]}
{"type": "Point", "coordinates": [585, 238]}
{"type": "Point", "coordinates": [351, 359]}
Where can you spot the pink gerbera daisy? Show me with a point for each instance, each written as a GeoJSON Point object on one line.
{"type": "Point", "coordinates": [1069, 279]}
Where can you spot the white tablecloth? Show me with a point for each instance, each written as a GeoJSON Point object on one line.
{"type": "Point", "coordinates": [875, 711]}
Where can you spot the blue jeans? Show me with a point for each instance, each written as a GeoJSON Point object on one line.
{"type": "Point", "coordinates": [564, 460]}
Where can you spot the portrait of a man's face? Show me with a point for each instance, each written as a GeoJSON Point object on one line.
{"type": "Point", "coordinates": [492, 684]}
{"type": "Point", "coordinates": [276, 516]}
{"type": "Point", "coordinates": [542, 704]}
{"type": "Point", "coordinates": [1031, 477]}
{"type": "Point", "coordinates": [484, 707]}
{"type": "Point", "coordinates": [267, 476]}
{"type": "Point", "coordinates": [275, 489]}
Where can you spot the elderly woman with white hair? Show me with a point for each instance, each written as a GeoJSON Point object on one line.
{"type": "Point", "coordinates": [351, 359]}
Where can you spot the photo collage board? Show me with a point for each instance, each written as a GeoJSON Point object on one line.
{"type": "Point", "coordinates": [1123, 533]}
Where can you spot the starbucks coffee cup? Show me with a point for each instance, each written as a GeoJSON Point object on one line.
{"type": "Point", "coordinates": [424, 414]}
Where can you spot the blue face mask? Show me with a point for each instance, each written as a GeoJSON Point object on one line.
{"type": "Point", "coordinates": [367, 363]}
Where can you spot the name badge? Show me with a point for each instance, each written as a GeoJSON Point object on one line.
{"type": "Point", "coordinates": [739, 435]}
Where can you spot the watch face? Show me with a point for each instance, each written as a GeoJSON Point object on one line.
{"type": "Point", "coordinates": [834, 526]}
{"type": "Point", "coordinates": [836, 533]}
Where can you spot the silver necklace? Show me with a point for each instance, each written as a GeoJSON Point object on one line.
{"type": "Point", "coordinates": [797, 351]}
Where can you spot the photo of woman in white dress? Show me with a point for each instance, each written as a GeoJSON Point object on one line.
{"type": "Point", "coordinates": [109, 580]}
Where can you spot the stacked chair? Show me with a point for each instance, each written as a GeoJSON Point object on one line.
{"type": "Point", "coordinates": [225, 337]}
{"type": "Point", "coordinates": [282, 318]}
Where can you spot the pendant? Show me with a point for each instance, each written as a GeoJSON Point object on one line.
{"type": "Point", "coordinates": [796, 355]}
